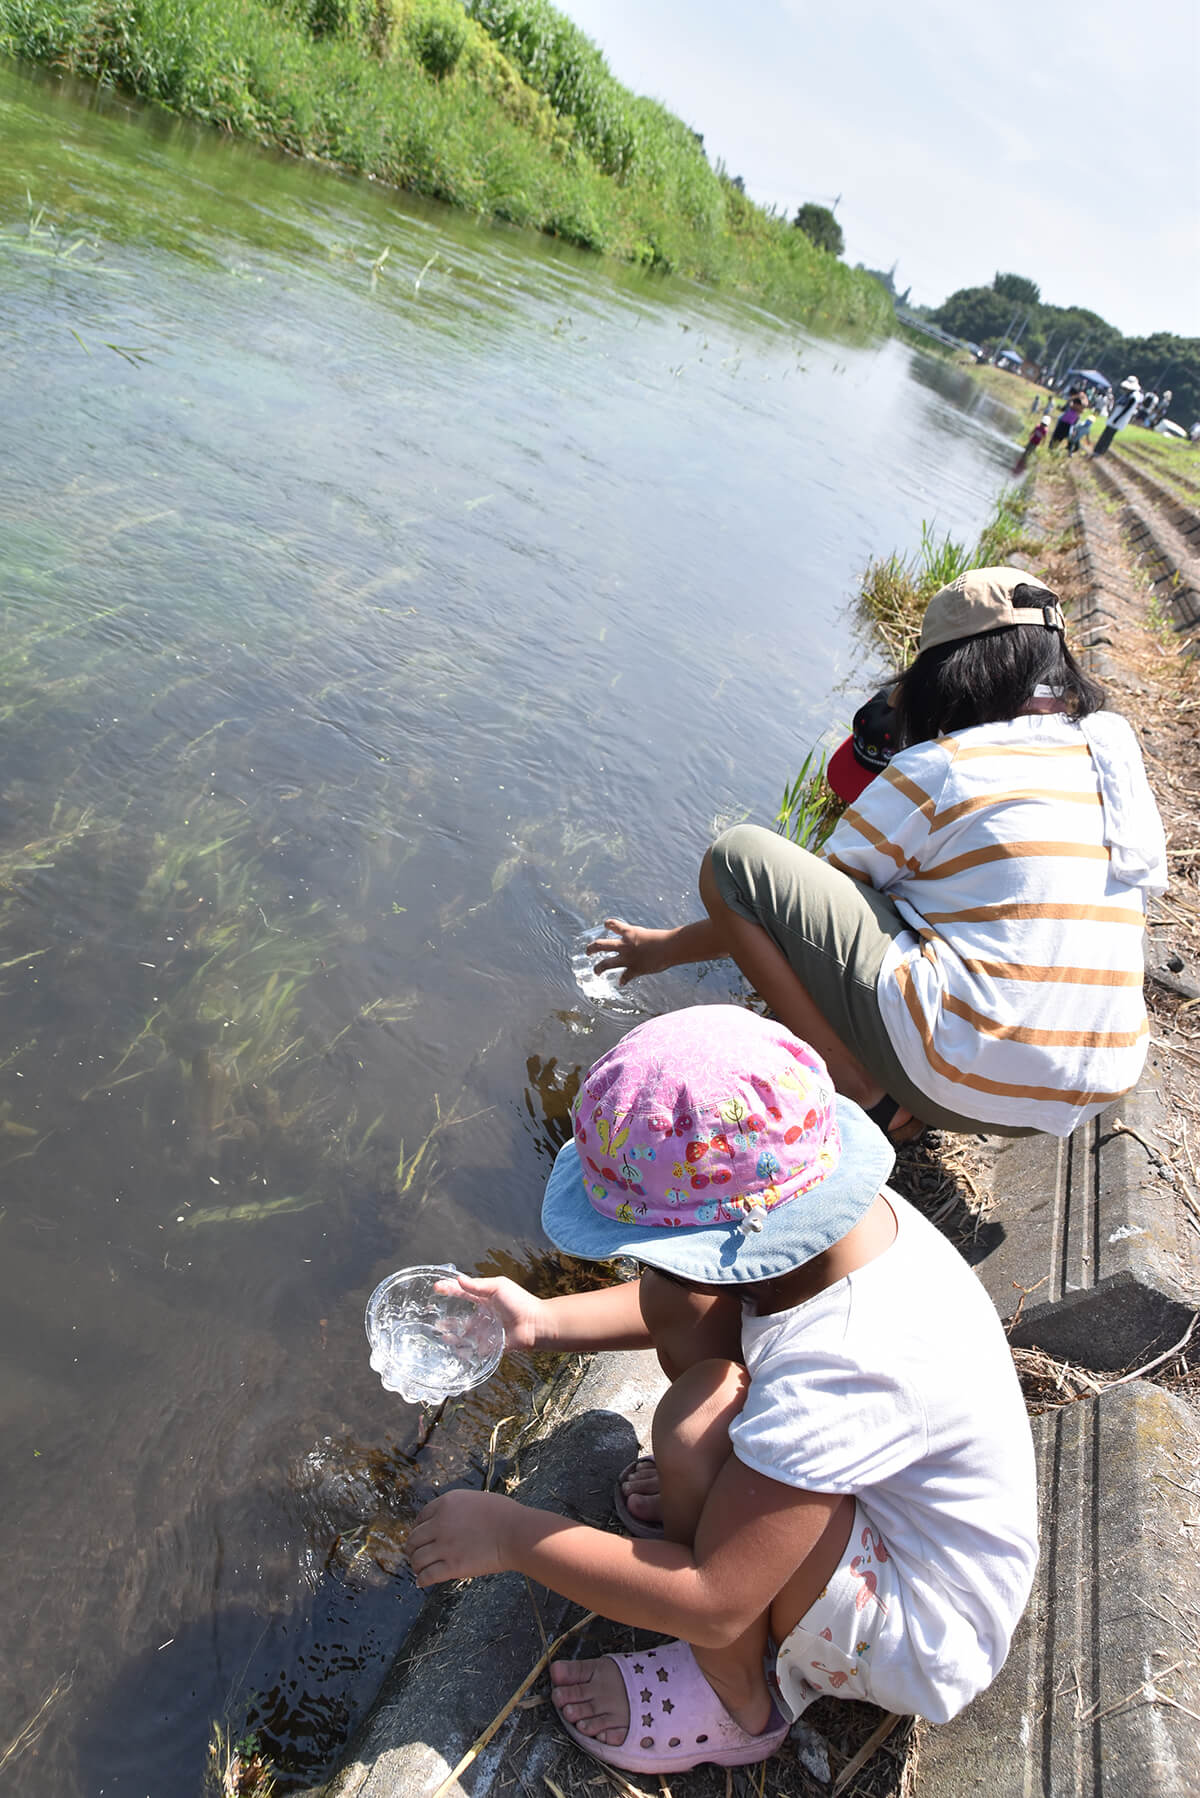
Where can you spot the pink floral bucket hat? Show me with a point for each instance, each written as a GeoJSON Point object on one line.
{"type": "Point", "coordinates": [710, 1143]}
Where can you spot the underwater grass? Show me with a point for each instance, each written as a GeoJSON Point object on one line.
{"type": "Point", "coordinates": [510, 114]}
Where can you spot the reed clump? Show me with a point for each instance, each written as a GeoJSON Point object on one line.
{"type": "Point", "coordinates": [502, 107]}
{"type": "Point", "coordinates": [895, 591]}
{"type": "Point", "coordinates": [896, 588]}
{"type": "Point", "coordinates": [809, 808]}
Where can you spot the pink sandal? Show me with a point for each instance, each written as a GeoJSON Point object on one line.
{"type": "Point", "coordinates": [676, 1720]}
{"type": "Point", "coordinates": [634, 1526]}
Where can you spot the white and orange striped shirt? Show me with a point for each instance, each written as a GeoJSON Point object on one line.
{"type": "Point", "coordinates": [1021, 855]}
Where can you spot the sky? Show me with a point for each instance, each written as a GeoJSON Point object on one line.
{"type": "Point", "coordinates": [1058, 139]}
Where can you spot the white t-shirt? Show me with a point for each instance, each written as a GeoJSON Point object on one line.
{"type": "Point", "coordinates": [1123, 409]}
{"type": "Point", "coordinates": [1020, 855]}
{"type": "Point", "coordinates": [896, 1385]}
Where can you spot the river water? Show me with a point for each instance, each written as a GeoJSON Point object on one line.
{"type": "Point", "coordinates": [386, 599]}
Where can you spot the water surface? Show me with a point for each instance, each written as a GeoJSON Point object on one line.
{"type": "Point", "coordinates": [372, 625]}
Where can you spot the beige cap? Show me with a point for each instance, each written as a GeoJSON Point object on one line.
{"type": "Point", "coordinates": [981, 600]}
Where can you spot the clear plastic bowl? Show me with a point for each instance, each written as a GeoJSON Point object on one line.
{"type": "Point", "coordinates": [428, 1345]}
{"type": "Point", "coordinates": [602, 989]}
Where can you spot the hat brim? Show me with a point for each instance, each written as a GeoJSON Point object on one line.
{"type": "Point", "coordinates": [720, 1254]}
{"type": "Point", "coordinates": [846, 774]}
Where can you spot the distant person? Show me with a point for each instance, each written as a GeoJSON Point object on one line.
{"type": "Point", "coordinates": [1148, 410]}
{"type": "Point", "coordinates": [1164, 406]}
{"type": "Point", "coordinates": [1067, 418]}
{"type": "Point", "coordinates": [1123, 411]}
{"type": "Point", "coordinates": [1036, 438]}
{"type": "Point", "coordinates": [1080, 433]}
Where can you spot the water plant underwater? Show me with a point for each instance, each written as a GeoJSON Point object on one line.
{"type": "Point", "coordinates": [503, 107]}
{"type": "Point", "coordinates": [235, 1016]}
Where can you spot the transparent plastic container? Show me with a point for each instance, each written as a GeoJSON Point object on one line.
{"type": "Point", "coordinates": [602, 989]}
{"type": "Point", "coordinates": [428, 1345]}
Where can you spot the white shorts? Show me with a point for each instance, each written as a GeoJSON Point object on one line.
{"type": "Point", "coordinates": [859, 1614]}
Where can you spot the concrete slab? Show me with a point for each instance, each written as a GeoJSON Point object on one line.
{"type": "Point", "coordinates": [1093, 1263]}
{"type": "Point", "coordinates": [1167, 553]}
{"type": "Point", "coordinates": [473, 1647]}
{"type": "Point", "coordinates": [1088, 1704]}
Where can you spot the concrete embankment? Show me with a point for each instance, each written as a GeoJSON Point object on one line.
{"type": "Point", "coordinates": [1090, 1259]}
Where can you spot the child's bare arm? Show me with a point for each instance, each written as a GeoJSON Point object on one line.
{"type": "Point", "coordinates": [636, 949]}
{"type": "Point", "coordinates": [609, 1317]}
{"type": "Point", "coordinates": [755, 1536]}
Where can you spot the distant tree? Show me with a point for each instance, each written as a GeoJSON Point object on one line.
{"type": "Point", "coordinates": [1018, 289]}
{"type": "Point", "coordinates": [739, 182]}
{"type": "Point", "coordinates": [820, 227]}
{"type": "Point", "coordinates": [1075, 336]}
{"type": "Point", "coordinates": [976, 314]}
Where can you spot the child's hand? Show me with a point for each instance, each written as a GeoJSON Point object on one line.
{"type": "Point", "coordinates": [459, 1536]}
{"type": "Point", "coordinates": [521, 1314]}
{"type": "Point", "coordinates": [633, 949]}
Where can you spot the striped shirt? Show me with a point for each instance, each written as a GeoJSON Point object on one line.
{"type": "Point", "coordinates": [1020, 855]}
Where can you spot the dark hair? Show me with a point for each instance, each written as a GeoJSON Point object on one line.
{"type": "Point", "coordinates": [987, 679]}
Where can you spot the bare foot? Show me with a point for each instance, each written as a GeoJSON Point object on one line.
{"type": "Point", "coordinates": [591, 1695]}
{"type": "Point", "coordinates": [643, 1494]}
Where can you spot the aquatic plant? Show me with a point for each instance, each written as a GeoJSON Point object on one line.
{"type": "Point", "coordinates": [809, 808]}
{"type": "Point", "coordinates": [238, 1768]}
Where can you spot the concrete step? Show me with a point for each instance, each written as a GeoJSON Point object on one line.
{"type": "Point", "coordinates": [1168, 553]}
{"type": "Point", "coordinates": [1097, 1263]}
{"type": "Point", "coordinates": [1089, 1702]}
{"type": "Point", "coordinates": [1184, 517]}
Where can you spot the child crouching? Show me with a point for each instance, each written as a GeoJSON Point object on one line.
{"type": "Point", "coordinates": [844, 1463]}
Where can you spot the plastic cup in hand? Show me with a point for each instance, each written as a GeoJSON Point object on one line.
{"type": "Point", "coordinates": [430, 1339]}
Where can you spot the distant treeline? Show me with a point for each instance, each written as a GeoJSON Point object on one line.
{"type": "Point", "coordinates": [502, 107]}
{"type": "Point", "coordinates": [1012, 310]}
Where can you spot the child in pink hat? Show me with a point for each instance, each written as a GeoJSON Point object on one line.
{"type": "Point", "coordinates": [829, 1487]}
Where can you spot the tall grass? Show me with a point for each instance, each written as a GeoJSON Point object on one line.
{"type": "Point", "coordinates": [505, 109]}
{"type": "Point", "coordinates": [896, 589]}
{"type": "Point", "coordinates": [809, 808]}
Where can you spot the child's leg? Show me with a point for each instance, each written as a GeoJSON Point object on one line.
{"type": "Point", "coordinates": [691, 1445]}
{"type": "Point", "coordinates": [686, 1326]}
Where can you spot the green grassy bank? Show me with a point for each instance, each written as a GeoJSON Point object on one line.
{"type": "Point", "coordinates": [1174, 462]}
{"type": "Point", "coordinates": [504, 109]}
